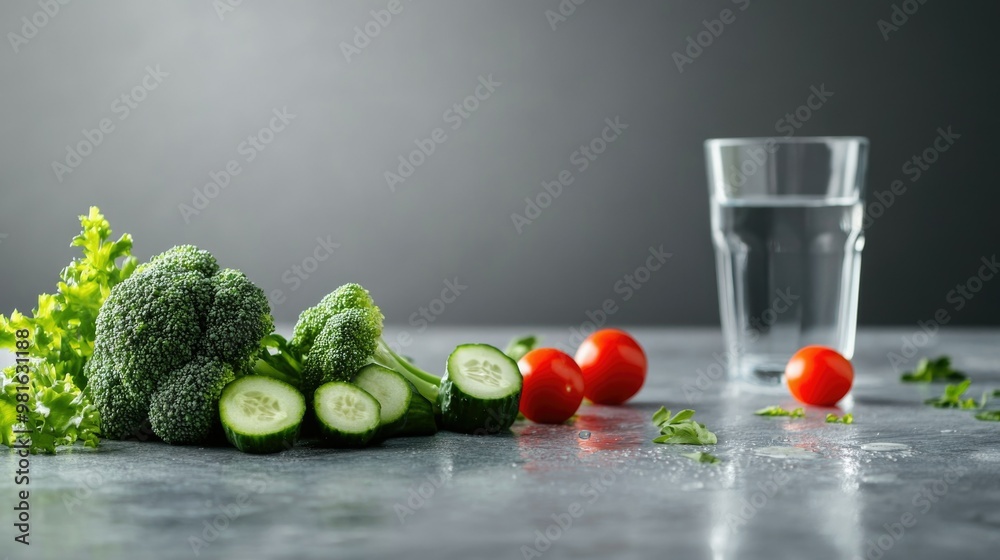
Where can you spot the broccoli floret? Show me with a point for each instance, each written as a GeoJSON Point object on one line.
{"type": "Point", "coordinates": [346, 343]}
{"type": "Point", "coordinates": [333, 340]}
{"type": "Point", "coordinates": [184, 408]}
{"type": "Point", "coordinates": [168, 339]}
{"type": "Point", "coordinates": [312, 321]}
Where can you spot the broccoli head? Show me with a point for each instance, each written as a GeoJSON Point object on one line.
{"type": "Point", "coordinates": [168, 340]}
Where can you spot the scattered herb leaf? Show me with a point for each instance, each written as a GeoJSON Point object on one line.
{"type": "Point", "coordinates": [832, 418]}
{"type": "Point", "coordinates": [775, 410]}
{"type": "Point", "coordinates": [681, 428]}
{"type": "Point", "coordinates": [520, 346]}
{"type": "Point", "coordinates": [701, 457]}
{"type": "Point", "coordinates": [928, 371]}
{"type": "Point", "coordinates": [952, 397]}
{"type": "Point", "coordinates": [989, 416]}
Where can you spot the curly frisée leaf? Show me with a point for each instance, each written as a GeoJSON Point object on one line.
{"type": "Point", "coordinates": [62, 330]}
{"type": "Point", "coordinates": [58, 413]}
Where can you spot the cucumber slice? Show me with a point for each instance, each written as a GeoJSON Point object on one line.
{"type": "Point", "coordinates": [392, 392]}
{"type": "Point", "coordinates": [403, 410]}
{"type": "Point", "coordinates": [260, 414]}
{"type": "Point", "coordinates": [348, 416]}
{"type": "Point", "coordinates": [480, 391]}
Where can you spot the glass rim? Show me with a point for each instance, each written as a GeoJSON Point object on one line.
{"type": "Point", "coordinates": [750, 140]}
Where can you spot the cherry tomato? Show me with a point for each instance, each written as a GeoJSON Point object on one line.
{"type": "Point", "coordinates": [819, 375]}
{"type": "Point", "coordinates": [613, 366]}
{"type": "Point", "coordinates": [553, 386]}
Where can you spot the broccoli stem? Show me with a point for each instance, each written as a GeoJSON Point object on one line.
{"type": "Point", "coordinates": [426, 383]}
{"type": "Point", "coordinates": [262, 367]}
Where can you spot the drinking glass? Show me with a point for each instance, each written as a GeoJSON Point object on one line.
{"type": "Point", "coordinates": [786, 225]}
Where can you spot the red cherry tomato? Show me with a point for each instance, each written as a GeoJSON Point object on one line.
{"type": "Point", "coordinates": [613, 366]}
{"type": "Point", "coordinates": [819, 375]}
{"type": "Point", "coordinates": [553, 386]}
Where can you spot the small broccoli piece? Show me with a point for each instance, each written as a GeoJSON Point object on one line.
{"type": "Point", "coordinates": [346, 343]}
{"type": "Point", "coordinates": [168, 339]}
{"type": "Point", "coordinates": [185, 408]}
{"type": "Point", "coordinates": [312, 321]}
{"type": "Point", "coordinates": [333, 340]}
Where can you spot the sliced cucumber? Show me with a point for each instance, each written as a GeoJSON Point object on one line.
{"type": "Point", "coordinates": [480, 391]}
{"type": "Point", "coordinates": [391, 390]}
{"type": "Point", "coordinates": [348, 416]}
{"type": "Point", "coordinates": [260, 414]}
{"type": "Point", "coordinates": [403, 410]}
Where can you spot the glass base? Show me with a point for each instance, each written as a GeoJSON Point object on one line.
{"type": "Point", "coordinates": [760, 372]}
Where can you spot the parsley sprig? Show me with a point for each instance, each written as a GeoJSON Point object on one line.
{"type": "Point", "coordinates": [702, 457]}
{"type": "Point", "coordinates": [928, 371]}
{"type": "Point", "coordinates": [952, 397]}
{"type": "Point", "coordinates": [775, 410]}
{"type": "Point", "coordinates": [681, 428]}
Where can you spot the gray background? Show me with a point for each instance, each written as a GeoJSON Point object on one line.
{"type": "Point", "coordinates": [323, 175]}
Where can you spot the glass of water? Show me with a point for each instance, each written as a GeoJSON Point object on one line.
{"type": "Point", "coordinates": [786, 225]}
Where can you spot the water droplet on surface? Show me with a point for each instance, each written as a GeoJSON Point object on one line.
{"type": "Point", "coordinates": [584, 434]}
{"type": "Point", "coordinates": [884, 446]}
{"type": "Point", "coordinates": [777, 452]}
{"type": "Point", "coordinates": [879, 478]}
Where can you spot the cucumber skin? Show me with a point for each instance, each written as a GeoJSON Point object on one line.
{"type": "Point", "coordinates": [271, 443]}
{"type": "Point", "coordinates": [419, 417]}
{"type": "Point", "coordinates": [467, 415]}
{"type": "Point", "coordinates": [336, 438]}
